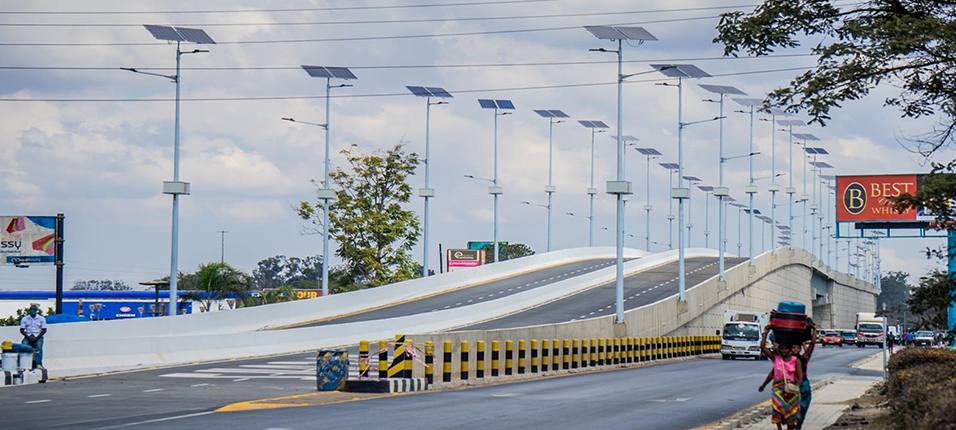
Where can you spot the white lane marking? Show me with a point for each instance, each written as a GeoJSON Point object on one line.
{"type": "Point", "coordinates": [93, 396]}
{"type": "Point", "coordinates": [241, 380]}
{"type": "Point", "coordinates": [592, 313]}
{"type": "Point", "coordinates": [583, 316]}
{"type": "Point", "coordinates": [154, 390]}
{"type": "Point", "coordinates": [157, 420]}
{"type": "Point", "coordinates": [198, 385]}
{"type": "Point", "coordinates": [482, 297]}
{"type": "Point", "coordinates": [37, 401]}
{"type": "Point", "coordinates": [458, 304]}
{"type": "Point", "coordinates": [469, 301]}
{"type": "Point", "coordinates": [502, 292]}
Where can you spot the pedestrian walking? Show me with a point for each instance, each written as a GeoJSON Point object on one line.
{"type": "Point", "coordinates": [787, 378]}
{"type": "Point", "coordinates": [33, 328]}
{"type": "Point", "coordinates": [806, 392]}
{"type": "Point", "coordinates": [890, 341]}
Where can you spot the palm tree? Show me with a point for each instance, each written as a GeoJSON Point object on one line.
{"type": "Point", "coordinates": [215, 282]}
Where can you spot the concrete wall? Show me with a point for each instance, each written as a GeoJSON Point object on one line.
{"type": "Point", "coordinates": [774, 278]}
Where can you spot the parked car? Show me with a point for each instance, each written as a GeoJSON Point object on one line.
{"type": "Point", "coordinates": [832, 338]}
{"type": "Point", "coordinates": [849, 337]}
{"type": "Point", "coordinates": [924, 338]}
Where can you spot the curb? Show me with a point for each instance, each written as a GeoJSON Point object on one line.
{"type": "Point", "coordinates": [385, 385]}
{"type": "Point", "coordinates": [756, 413]}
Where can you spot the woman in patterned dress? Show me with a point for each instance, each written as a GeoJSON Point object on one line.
{"type": "Point", "coordinates": [786, 370]}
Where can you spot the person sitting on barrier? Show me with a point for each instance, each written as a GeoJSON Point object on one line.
{"type": "Point", "coordinates": [787, 377]}
{"type": "Point", "coordinates": [33, 328]}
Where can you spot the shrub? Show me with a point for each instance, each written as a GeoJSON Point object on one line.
{"type": "Point", "coordinates": [912, 357]}
{"type": "Point", "coordinates": [920, 388]}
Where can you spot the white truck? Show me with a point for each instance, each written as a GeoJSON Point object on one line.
{"type": "Point", "coordinates": [741, 334]}
{"type": "Point", "coordinates": [869, 330]}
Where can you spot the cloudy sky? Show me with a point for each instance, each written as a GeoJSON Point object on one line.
{"type": "Point", "coordinates": [82, 137]}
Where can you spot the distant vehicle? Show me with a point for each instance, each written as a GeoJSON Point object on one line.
{"type": "Point", "coordinates": [849, 336]}
{"type": "Point", "coordinates": [924, 338]}
{"type": "Point", "coordinates": [869, 329]}
{"type": "Point", "coordinates": [741, 335]}
{"type": "Point", "coordinates": [832, 338]}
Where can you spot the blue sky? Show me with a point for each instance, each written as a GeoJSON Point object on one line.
{"type": "Point", "coordinates": [103, 163]}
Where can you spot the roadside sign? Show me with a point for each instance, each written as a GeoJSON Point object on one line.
{"type": "Point", "coordinates": [27, 240]}
{"type": "Point", "coordinates": [481, 244]}
{"type": "Point", "coordinates": [463, 258]}
{"type": "Point", "coordinates": [866, 198]}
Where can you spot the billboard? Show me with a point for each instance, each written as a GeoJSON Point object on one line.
{"type": "Point", "coordinates": [28, 240]}
{"type": "Point", "coordinates": [865, 198]}
{"type": "Point", "coordinates": [463, 258]}
{"type": "Point", "coordinates": [481, 244]}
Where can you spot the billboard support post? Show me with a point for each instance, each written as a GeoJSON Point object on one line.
{"type": "Point", "coordinates": [951, 269]}
{"type": "Point", "coordinates": [59, 263]}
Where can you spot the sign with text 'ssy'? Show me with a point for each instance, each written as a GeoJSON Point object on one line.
{"type": "Point", "coordinates": [462, 258]}
{"type": "Point", "coordinates": [27, 240]}
{"type": "Point", "coordinates": [866, 198]}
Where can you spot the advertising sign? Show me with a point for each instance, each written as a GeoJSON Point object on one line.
{"type": "Point", "coordinates": [865, 198]}
{"type": "Point", "coordinates": [27, 240]}
{"type": "Point", "coordinates": [463, 258]}
{"type": "Point", "coordinates": [482, 244]}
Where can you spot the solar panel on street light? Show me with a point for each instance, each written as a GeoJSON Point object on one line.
{"type": "Point", "coordinates": [749, 102]}
{"type": "Point", "coordinates": [670, 166]}
{"type": "Point", "coordinates": [626, 138]}
{"type": "Point", "coordinates": [777, 111]}
{"type": "Point", "coordinates": [722, 89]}
{"type": "Point", "coordinates": [419, 91]}
{"type": "Point", "coordinates": [648, 151]}
{"type": "Point", "coordinates": [821, 165]}
{"type": "Point", "coordinates": [619, 33]}
{"type": "Point", "coordinates": [821, 151]}
{"type": "Point", "coordinates": [161, 32]}
{"type": "Point", "coordinates": [593, 124]}
{"type": "Point", "coordinates": [737, 205]}
{"type": "Point", "coordinates": [551, 113]}
{"type": "Point", "coordinates": [329, 72]}
{"type": "Point", "coordinates": [754, 211]}
{"type": "Point", "coordinates": [505, 104]}
{"type": "Point", "coordinates": [487, 104]}
{"type": "Point", "coordinates": [692, 178]}
{"type": "Point", "coordinates": [791, 122]}
{"type": "Point", "coordinates": [195, 35]}
{"type": "Point", "coordinates": [805, 136]}
{"type": "Point", "coordinates": [729, 199]}
{"type": "Point", "coordinates": [706, 188]}
{"type": "Point", "coordinates": [681, 70]}
{"type": "Point", "coordinates": [429, 92]}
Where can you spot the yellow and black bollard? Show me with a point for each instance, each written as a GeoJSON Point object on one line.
{"type": "Point", "coordinates": [382, 359]}
{"type": "Point", "coordinates": [545, 354]}
{"type": "Point", "coordinates": [555, 354]}
{"type": "Point", "coordinates": [585, 356]}
{"type": "Point", "coordinates": [509, 357]}
{"type": "Point", "coordinates": [397, 368]}
{"type": "Point", "coordinates": [602, 344]}
{"type": "Point", "coordinates": [363, 359]}
{"type": "Point", "coordinates": [575, 353]}
{"type": "Point", "coordinates": [629, 347]}
{"type": "Point", "coordinates": [446, 361]}
{"type": "Point", "coordinates": [522, 356]}
{"type": "Point", "coordinates": [565, 354]}
{"type": "Point", "coordinates": [409, 346]}
{"type": "Point", "coordinates": [430, 362]}
{"type": "Point", "coordinates": [480, 360]}
{"type": "Point", "coordinates": [593, 352]}
{"type": "Point", "coordinates": [617, 350]}
{"type": "Point", "coordinates": [534, 355]}
{"type": "Point", "coordinates": [495, 357]}
{"type": "Point", "coordinates": [465, 364]}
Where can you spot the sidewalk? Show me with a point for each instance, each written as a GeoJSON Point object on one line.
{"type": "Point", "coordinates": [830, 401]}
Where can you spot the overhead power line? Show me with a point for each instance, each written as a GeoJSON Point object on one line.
{"type": "Point", "coordinates": [413, 66]}
{"type": "Point", "coordinates": [388, 21]}
{"type": "Point", "coordinates": [349, 39]}
{"type": "Point", "coordinates": [301, 9]}
{"type": "Point", "coordinates": [356, 96]}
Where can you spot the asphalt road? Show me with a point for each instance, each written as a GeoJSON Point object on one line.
{"type": "Point", "coordinates": [478, 293]}
{"type": "Point", "coordinates": [668, 396]}
{"type": "Point", "coordinates": [640, 289]}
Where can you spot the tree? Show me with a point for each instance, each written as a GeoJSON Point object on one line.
{"type": "Point", "coordinates": [894, 294]}
{"type": "Point", "coordinates": [279, 271]}
{"type": "Point", "coordinates": [215, 282]}
{"type": "Point", "coordinates": [908, 44]}
{"type": "Point", "coordinates": [930, 300]}
{"type": "Point", "coordinates": [100, 285]}
{"type": "Point", "coordinates": [374, 233]}
{"type": "Point", "coordinates": [506, 252]}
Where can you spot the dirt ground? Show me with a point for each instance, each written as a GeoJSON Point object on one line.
{"type": "Point", "coordinates": [868, 412]}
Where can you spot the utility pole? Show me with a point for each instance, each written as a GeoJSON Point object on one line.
{"type": "Point", "coordinates": [222, 246]}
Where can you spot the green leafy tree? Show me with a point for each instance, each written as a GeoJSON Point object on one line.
{"type": "Point", "coordinates": [374, 232]}
{"type": "Point", "coordinates": [895, 294]}
{"type": "Point", "coordinates": [100, 285]}
{"type": "Point", "coordinates": [14, 320]}
{"type": "Point", "coordinates": [278, 271]}
{"type": "Point", "coordinates": [506, 252]}
{"type": "Point", "coordinates": [215, 282]}
{"type": "Point", "coordinates": [907, 44]}
{"type": "Point", "coordinates": [930, 300]}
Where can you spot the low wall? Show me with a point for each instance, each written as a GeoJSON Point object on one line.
{"type": "Point", "coordinates": [303, 311]}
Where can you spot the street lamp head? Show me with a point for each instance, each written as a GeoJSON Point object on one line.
{"type": "Point", "coordinates": [470, 176]}
{"type": "Point", "coordinates": [342, 86]}
{"type": "Point", "coordinates": [597, 50]}
{"type": "Point", "coordinates": [129, 69]}
{"type": "Point", "coordinates": [526, 203]}
{"type": "Point", "coordinates": [289, 119]}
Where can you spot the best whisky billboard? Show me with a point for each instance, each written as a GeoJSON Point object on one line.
{"type": "Point", "coordinates": [866, 198]}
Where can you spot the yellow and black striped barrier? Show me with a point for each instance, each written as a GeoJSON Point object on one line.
{"type": "Point", "coordinates": [555, 354]}
{"type": "Point", "coordinates": [382, 359]}
{"type": "Point", "coordinates": [545, 354]}
{"type": "Point", "coordinates": [430, 362]}
{"type": "Point", "coordinates": [495, 351]}
{"type": "Point", "coordinates": [363, 359]}
{"type": "Point", "coordinates": [522, 351]}
{"type": "Point", "coordinates": [534, 355]}
{"type": "Point", "coordinates": [446, 361]}
{"type": "Point", "coordinates": [464, 360]}
{"type": "Point", "coordinates": [480, 360]}
{"type": "Point", "coordinates": [397, 368]}
{"type": "Point", "coordinates": [509, 357]}
{"type": "Point", "coordinates": [575, 353]}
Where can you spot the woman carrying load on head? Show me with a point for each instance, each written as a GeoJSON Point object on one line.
{"type": "Point", "coordinates": [806, 394]}
{"type": "Point", "coordinates": [787, 377]}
